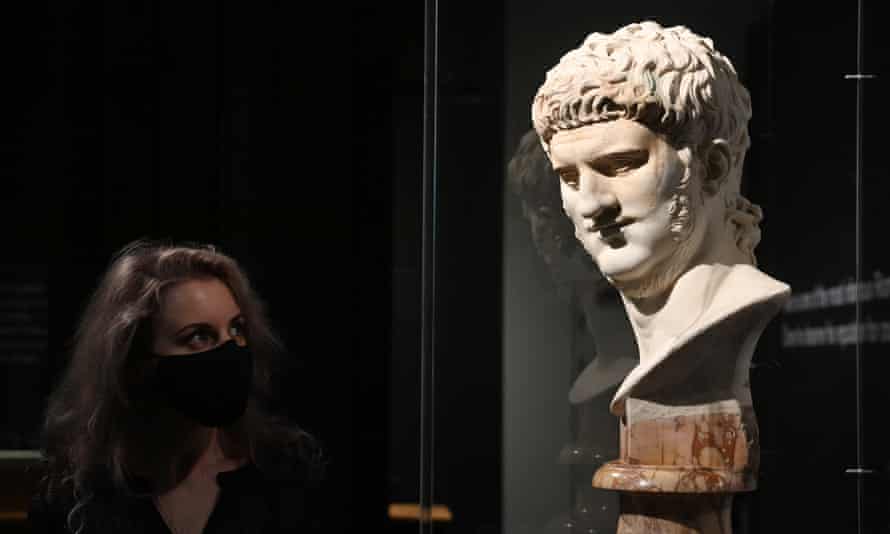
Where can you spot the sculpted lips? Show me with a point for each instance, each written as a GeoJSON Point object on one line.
{"type": "Point", "coordinates": [611, 228]}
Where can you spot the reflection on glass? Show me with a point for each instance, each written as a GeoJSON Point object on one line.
{"type": "Point", "coordinates": [602, 343]}
{"type": "Point", "coordinates": [24, 345]}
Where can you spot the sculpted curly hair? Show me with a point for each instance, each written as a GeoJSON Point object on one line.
{"type": "Point", "coordinates": [103, 423]}
{"type": "Point", "coordinates": [669, 79]}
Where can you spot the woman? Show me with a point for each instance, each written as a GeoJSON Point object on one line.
{"type": "Point", "coordinates": [159, 425]}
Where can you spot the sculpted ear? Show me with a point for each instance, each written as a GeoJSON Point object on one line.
{"type": "Point", "coordinates": [717, 165]}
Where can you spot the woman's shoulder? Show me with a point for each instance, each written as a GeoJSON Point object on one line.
{"type": "Point", "coordinates": [49, 508]}
{"type": "Point", "coordinates": [300, 463]}
{"type": "Point", "coordinates": [44, 514]}
{"type": "Point", "coordinates": [99, 502]}
{"type": "Point", "coordinates": [300, 497]}
{"type": "Point", "coordinates": [288, 491]}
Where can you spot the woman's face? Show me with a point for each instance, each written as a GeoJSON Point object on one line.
{"type": "Point", "coordinates": [195, 316]}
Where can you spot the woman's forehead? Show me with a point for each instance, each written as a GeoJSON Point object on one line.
{"type": "Point", "coordinates": [202, 299]}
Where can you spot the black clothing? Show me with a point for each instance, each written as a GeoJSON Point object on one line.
{"type": "Point", "coordinates": [250, 502]}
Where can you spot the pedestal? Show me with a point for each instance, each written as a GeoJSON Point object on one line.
{"type": "Point", "coordinates": [680, 465]}
{"type": "Point", "coordinates": [675, 514]}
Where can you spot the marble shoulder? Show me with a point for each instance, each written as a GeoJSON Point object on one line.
{"type": "Point", "coordinates": [744, 286]}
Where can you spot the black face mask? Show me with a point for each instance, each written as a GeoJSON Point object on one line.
{"type": "Point", "coordinates": [210, 387]}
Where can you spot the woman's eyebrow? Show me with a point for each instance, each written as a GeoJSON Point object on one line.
{"type": "Point", "coordinates": [190, 326]}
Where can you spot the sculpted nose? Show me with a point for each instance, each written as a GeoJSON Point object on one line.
{"type": "Point", "coordinates": [599, 206]}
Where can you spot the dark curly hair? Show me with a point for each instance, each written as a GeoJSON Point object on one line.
{"type": "Point", "coordinates": [532, 179]}
{"type": "Point", "coordinates": [104, 424]}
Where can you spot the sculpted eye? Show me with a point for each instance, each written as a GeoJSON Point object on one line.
{"type": "Point", "coordinates": [569, 176]}
{"type": "Point", "coordinates": [621, 162]}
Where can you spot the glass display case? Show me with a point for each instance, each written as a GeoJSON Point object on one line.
{"type": "Point", "coordinates": [456, 347]}
{"type": "Point", "coordinates": [524, 343]}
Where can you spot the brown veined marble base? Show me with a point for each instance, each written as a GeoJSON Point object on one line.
{"type": "Point", "coordinates": [652, 513]}
{"type": "Point", "coordinates": [680, 465]}
{"type": "Point", "coordinates": [616, 475]}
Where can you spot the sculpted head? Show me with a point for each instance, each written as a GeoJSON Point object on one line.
{"type": "Point", "coordinates": [647, 130]}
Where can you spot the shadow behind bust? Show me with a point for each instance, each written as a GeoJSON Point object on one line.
{"type": "Point", "coordinates": [603, 347]}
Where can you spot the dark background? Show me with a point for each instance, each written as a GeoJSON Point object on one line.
{"type": "Point", "coordinates": [292, 137]}
{"type": "Point", "coordinates": [235, 123]}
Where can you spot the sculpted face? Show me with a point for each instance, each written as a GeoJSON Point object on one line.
{"type": "Point", "coordinates": [619, 185]}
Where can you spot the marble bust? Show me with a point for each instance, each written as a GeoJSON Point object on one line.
{"type": "Point", "coordinates": [647, 130]}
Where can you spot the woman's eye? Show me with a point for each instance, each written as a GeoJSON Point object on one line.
{"type": "Point", "coordinates": [238, 330]}
{"type": "Point", "coordinates": [197, 337]}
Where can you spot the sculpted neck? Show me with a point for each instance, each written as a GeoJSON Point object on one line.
{"type": "Point", "coordinates": [698, 342]}
{"type": "Point", "coordinates": [658, 320]}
